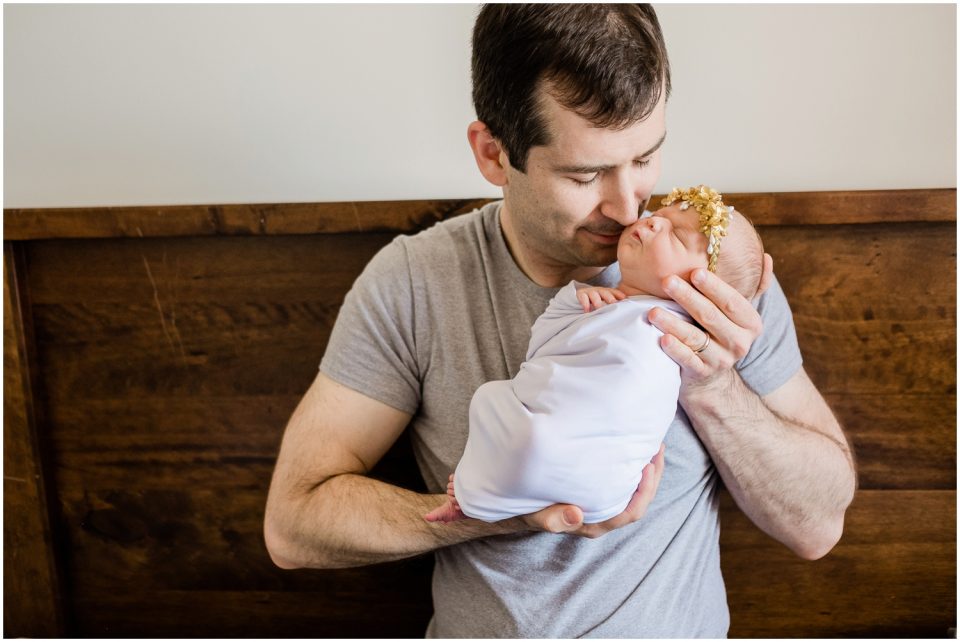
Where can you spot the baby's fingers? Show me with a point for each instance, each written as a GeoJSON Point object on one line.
{"type": "Point", "coordinates": [612, 295]}
{"type": "Point", "coordinates": [583, 298]}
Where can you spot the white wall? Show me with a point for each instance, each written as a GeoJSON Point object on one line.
{"type": "Point", "coordinates": [148, 104]}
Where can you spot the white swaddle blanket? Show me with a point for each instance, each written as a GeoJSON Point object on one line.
{"type": "Point", "coordinates": [587, 411]}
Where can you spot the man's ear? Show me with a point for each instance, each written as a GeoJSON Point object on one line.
{"type": "Point", "coordinates": [490, 157]}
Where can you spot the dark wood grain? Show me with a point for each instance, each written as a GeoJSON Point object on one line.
{"type": "Point", "coordinates": [230, 220]}
{"type": "Point", "coordinates": [893, 574]}
{"type": "Point", "coordinates": [771, 208]}
{"type": "Point", "coordinates": [394, 603]}
{"type": "Point", "coordinates": [904, 441]}
{"type": "Point", "coordinates": [874, 305]}
{"type": "Point", "coordinates": [171, 363]}
{"type": "Point", "coordinates": [194, 347]}
{"type": "Point", "coordinates": [31, 596]}
{"type": "Point", "coordinates": [187, 540]}
{"type": "Point", "coordinates": [847, 207]}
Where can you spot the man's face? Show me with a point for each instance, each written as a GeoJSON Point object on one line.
{"type": "Point", "coordinates": [584, 188]}
{"type": "Point", "coordinates": [669, 242]}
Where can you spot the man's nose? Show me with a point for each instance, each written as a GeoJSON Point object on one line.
{"type": "Point", "coordinates": [622, 202]}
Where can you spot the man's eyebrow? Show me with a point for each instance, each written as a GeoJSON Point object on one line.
{"type": "Point", "coordinates": [590, 169]}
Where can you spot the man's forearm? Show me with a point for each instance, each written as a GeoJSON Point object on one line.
{"type": "Point", "coordinates": [793, 480]}
{"type": "Point", "coordinates": [352, 520]}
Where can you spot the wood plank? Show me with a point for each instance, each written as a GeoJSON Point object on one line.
{"type": "Point", "coordinates": [764, 208]}
{"type": "Point", "coordinates": [855, 334]}
{"type": "Point", "coordinates": [176, 444]}
{"type": "Point", "coordinates": [893, 574]}
{"type": "Point", "coordinates": [183, 538]}
{"type": "Point", "coordinates": [31, 596]}
{"type": "Point", "coordinates": [847, 207]}
{"type": "Point", "coordinates": [199, 554]}
{"type": "Point", "coordinates": [170, 336]}
{"type": "Point", "coordinates": [328, 613]}
{"type": "Point", "coordinates": [874, 305]}
{"type": "Point", "coordinates": [232, 441]}
{"type": "Point", "coordinates": [888, 430]}
{"type": "Point", "coordinates": [163, 272]}
{"type": "Point", "coordinates": [231, 219]}
{"type": "Point", "coordinates": [192, 360]}
{"type": "Point", "coordinates": [192, 563]}
{"type": "Point", "coordinates": [224, 442]}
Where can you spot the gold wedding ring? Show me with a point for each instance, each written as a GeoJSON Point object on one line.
{"type": "Point", "coordinates": [706, 342]}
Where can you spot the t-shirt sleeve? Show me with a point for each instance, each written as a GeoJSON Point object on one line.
{"type": "Point", "coordinates": [775, 355]}
{"type": "Point", "coordinates": [372, 347]}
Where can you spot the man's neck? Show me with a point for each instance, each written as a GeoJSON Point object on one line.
{"type": "Point", "coordinates": [540, 269]}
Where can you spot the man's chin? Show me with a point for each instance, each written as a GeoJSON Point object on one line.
{"type": "Point", "coordinates": [598, 256]}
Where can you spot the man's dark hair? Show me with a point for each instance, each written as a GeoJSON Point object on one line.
{"type": "Point", "coordinates": [606, 63]}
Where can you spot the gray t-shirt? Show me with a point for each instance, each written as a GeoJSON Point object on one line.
{"type": "Point", "coordinates": [435, 315]}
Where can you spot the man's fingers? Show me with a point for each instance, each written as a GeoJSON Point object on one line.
{"type": "Point", "coordinates": [683, 355]}
{"type": "Point", "coordinates": [721, 311]}
{"type": "Point", "coordinates": [669, 323]}
{"type": "Point", "coordinates": [562, 518]}
{"type": "Point", "coordinates": [647, 489]}
{"type": "Point", "coordinates": [731, 304]}
{"type": "Point", "coordinates": [559, 518]}
{"type": "Point", "coordinates": [567, 518]}
{"type": "Point", "coordinates": [660, 459]}
{"type": "Point", "coordinates": [679, 339]}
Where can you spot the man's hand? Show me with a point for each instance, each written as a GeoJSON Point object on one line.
{"type": "Point", "coordinates": [730, 326]}
{"type": "Point", "coordinates": [783, 457]}
{"type": "Point", "coordinates": [567, 518]}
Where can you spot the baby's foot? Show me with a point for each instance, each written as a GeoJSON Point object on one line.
{"type": "Point", "coordinates": [449, 511]}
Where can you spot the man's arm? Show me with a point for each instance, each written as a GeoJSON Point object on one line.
{"type": "Point", "coordinates": [323, 512]}
{"type": "Point", "coordinates": [783, 457]}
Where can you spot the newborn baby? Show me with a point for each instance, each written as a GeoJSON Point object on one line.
{"type": "Point", "coordinates": [593, 401]}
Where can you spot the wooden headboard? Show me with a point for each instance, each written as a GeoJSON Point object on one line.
{"type": "Point", "coordinates": [154, 354]}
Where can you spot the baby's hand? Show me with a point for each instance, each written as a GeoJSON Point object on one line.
{"type": "Point", "coordinates": [596, 297]}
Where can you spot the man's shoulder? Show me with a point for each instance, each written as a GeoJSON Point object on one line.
{"type": "Point", "coordinates": [443, 251]}
{"type": "Point", "coordinates": [460, 229]}
{"type": "Point", "coordinates": [458, 243]}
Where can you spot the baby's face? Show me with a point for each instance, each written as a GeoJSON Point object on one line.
{"type": "Point", "coordinates": [666, 243]}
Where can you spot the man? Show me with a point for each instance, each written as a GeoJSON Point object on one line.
{"type": "Point", "coordinates": [571, 116]}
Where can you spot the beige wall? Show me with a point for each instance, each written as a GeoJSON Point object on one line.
{"type": "Point", "coordinates": [140, 104]}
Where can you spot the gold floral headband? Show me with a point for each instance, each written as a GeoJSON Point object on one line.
{"type": "Point", "coordinates": [714, 216]}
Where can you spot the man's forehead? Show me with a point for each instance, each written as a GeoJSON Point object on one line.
{"type": "Point", "coordinates": [576, 142]}
{"type": "Point", "coordinates": [593, 158]}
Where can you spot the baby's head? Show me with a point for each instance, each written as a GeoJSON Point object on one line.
{"type": "Point", "coordinates": [670, 242]}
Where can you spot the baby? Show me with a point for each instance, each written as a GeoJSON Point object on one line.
{"type": "Point", "coordinates": [593, 401]}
